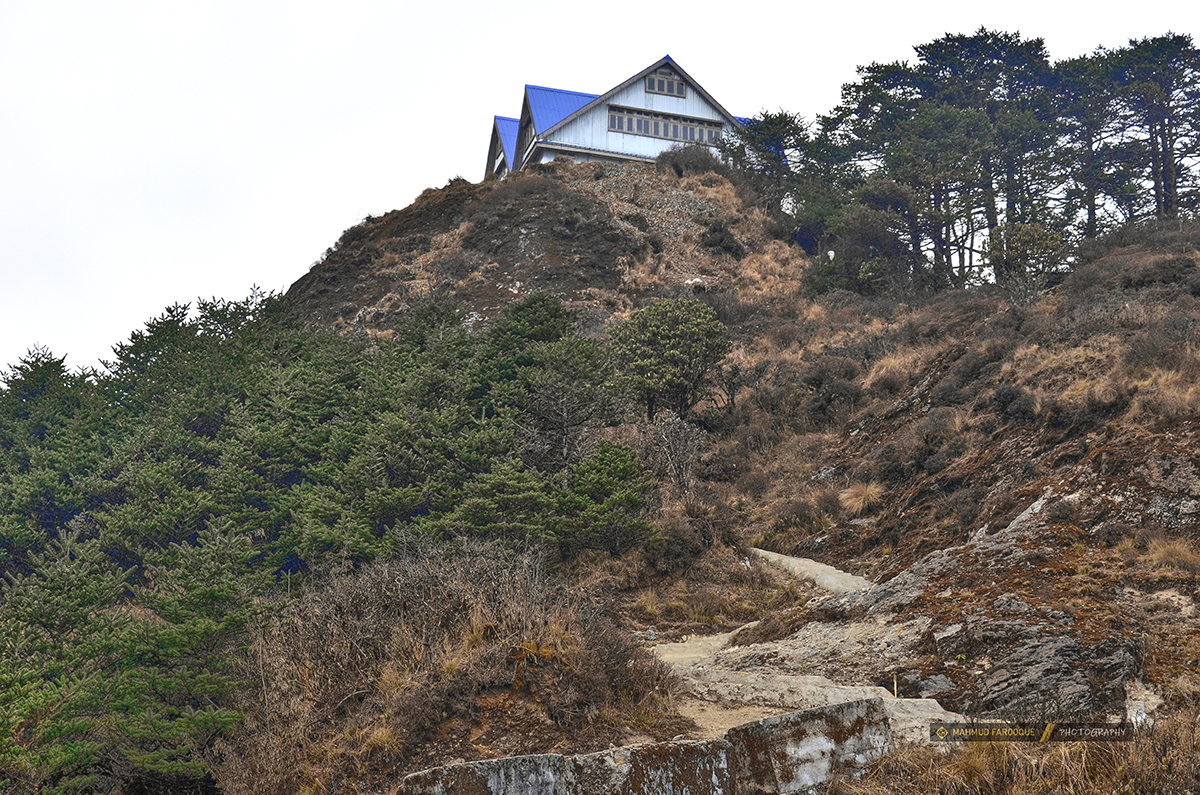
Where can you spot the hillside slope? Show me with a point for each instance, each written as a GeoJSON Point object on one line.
{"type": "Point", "coordinates": [1021, 483]}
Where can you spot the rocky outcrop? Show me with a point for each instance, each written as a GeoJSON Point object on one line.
{"type": "Point", "coordinates": [795, 673]}
{"type": "Point", "coordinates": [793, 753]}
{"type": "Point", "coordinates": [941, 632]}
{"type": "Point", "coordinates": [1001, 653]}
{"type": "Point", "coordinates": [688, 768]}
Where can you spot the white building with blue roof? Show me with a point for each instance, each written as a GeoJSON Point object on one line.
{"type": "Point", "coordinates": [659, 107]}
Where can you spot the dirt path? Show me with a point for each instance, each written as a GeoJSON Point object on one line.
{"type": "Point", "coordinates": [727, 689]}
{"type": "Point", "coordinates": [821, 575]}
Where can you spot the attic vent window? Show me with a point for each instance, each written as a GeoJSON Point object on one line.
{"type": "Point", "coordinates": [665, 81]}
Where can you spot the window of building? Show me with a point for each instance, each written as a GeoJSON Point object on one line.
{"type": "Point", "coordinates": [662, 125]}
{"type": "Point", "coordinates": [666, 81]}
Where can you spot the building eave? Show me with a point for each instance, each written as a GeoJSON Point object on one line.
{"type": "Point", "coordinates": [557, 146]}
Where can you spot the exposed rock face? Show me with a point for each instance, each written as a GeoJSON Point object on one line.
{"type": "Point", "coordinates": [540, 774]}
{"type": "Point", "coordinates": [1036, 660]}
{"type": "Point", "coordinates": [794, 753]}
{"type": "Point", "coordinates": [781, 673]}
{"type": "Point", "coordinates": [764, 675]}
{"type": "Point", "coordinates": [917, 633]}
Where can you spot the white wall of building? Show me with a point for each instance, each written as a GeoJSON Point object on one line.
{"type": "Point", "coordinates": [591, 130]}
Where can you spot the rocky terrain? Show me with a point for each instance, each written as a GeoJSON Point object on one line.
{"type": "Point", "coordinates": [790, 675]}
{"type": "Point", "coordinates": [601, 238]}
{"type": "Point", "coordinates": [1016, 485]}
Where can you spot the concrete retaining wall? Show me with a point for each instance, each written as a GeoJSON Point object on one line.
{"type": "Point", "coordinates": [793, 753]}
{"type": "Point", "coordinates": [680, 768]}
{"type": "Point", "coordinates": [800, 750]}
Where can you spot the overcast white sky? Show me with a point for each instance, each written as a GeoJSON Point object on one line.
{"type": "Point", "coordinates": [153, 152]}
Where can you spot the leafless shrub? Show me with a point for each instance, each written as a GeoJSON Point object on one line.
{"type": "Point", "coordinates": [797, 512]}
{"type": "Point", "coordinates": [693, 159]}
{"type": "Point", "coordinates": [673, 447]}
{"type": "Point", "coordinates": [754, 483]}
{"type": "Point", "coordinates": [888, 382]}
{"type": "Point", "coordinates": [1017, 403]}
{"type": "Point", "coordinates": [826, 501]}
{"type": "Point", "coordinates": [1174, 234]}
{"type": "Point", "coordinates": [832, 393]}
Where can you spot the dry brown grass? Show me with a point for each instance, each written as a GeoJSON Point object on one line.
{"type": "Point", "coordinates": [861, 497]}
{"type": "Point", "coordinates": [384, 668]}
{"type": "Point", "coordinates": [1163, 759]}
{"type": "Point", "coordinates": [1184, 687]}
{"type": "Point", "coordinates": [1067, 371]}
{"type": "Point", "coordinates": [1164, 396]}
{"type": "Point", "coordinates": [1173, 556]}
{"type": "Point", "coordinates": [899, 365]}
{"type": "Point", "coordinates": [773, 274]}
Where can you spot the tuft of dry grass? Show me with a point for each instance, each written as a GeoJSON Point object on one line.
{"type": "Point", "coordinates": [1167, 555]}
{"type": "Point", "coordinates": [1184, 687]}
{"type": "Point", "coordinates": [1164, 395]}
{"type": "Point", "coordinates": [861, 497]}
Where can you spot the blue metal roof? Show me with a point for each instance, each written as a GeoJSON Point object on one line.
{"type": "Point", "coordinates": [549, 106]}
{"type": "Point", "coordinates": [508, 137]}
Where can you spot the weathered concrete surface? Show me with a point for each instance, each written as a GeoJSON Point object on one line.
{"type": "Point", "coordinates": [542, 774]}
{"type": "Point", "coordinates": [848, 651]}
{"type": "Point", "coordinates": [801, 751]}
{"type": "Point", "coordinates": [824, 662]}
{"type": "Point", "coordinates": [909, 718]}
{"type": "Point", "coordinates": [783, 754]}
{"type": "Point", "coordinates": [679, 768]}
{"type": "Point", "coordinates": [823, 576]}
{"type": "Point", "coordinates": [693, 650]}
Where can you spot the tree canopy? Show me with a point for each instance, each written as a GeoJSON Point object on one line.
{"type": "Point", "coordinates": [665, 353]}
{"type": "Point", "coordinates": [925, 169]}
{"type": "Point", "coordinates": [148, 509]}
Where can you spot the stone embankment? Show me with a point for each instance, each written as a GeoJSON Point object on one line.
{"type": "Point", "coordinates": [793, 753]}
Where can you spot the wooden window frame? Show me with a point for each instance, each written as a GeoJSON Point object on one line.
{"type": "Point", "coordinates": [668, 79]}
{"type": "Point", "coordinates": [664, 126]}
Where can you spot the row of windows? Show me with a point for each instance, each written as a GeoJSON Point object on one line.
{"type": "Point", "coordinates": [658, 125]}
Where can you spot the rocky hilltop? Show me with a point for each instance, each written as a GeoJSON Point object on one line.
{"type": "Point", "coordinates": [1018, 481]}
{"type": "Point", "coordinates": [601, 238]}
